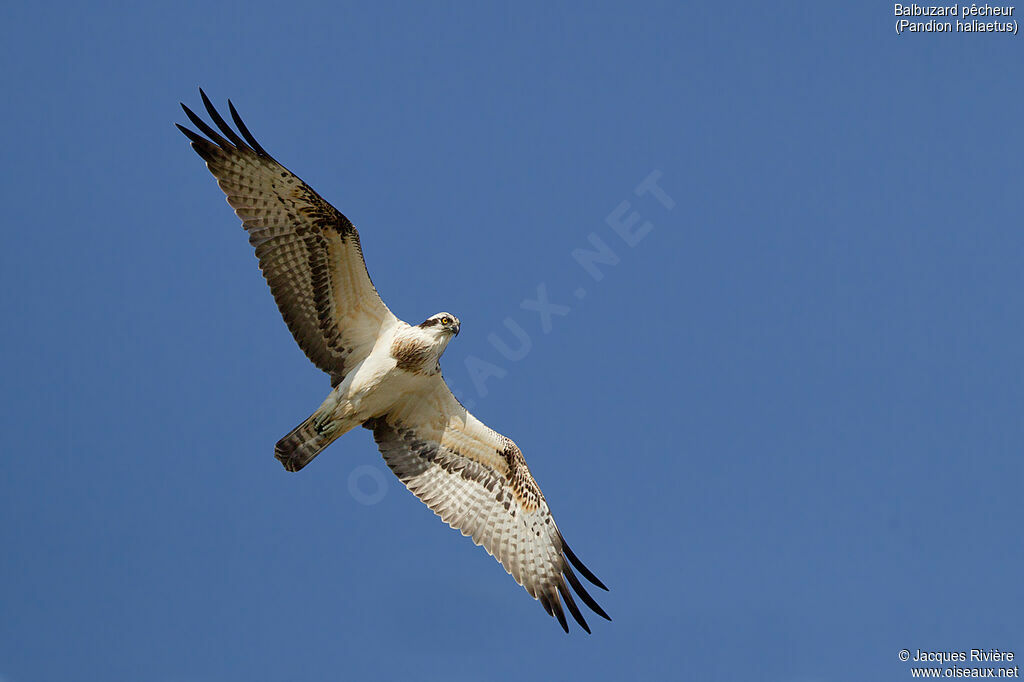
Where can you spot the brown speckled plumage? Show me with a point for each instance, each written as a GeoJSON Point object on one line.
{"type": "Point", "coordinates": [503, 511]}
{"type": "Point", "coordinates": [412, 355]}
{"type": "Point", "coordinates": [308, 251]}
{"type": "Point", "coordinates": [523, 486]}
{"type": "Point", "coordinates": [474, 478]}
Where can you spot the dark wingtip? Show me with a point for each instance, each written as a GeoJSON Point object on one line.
{"type": "Point", "coordinates": [205, 129]}
{"type": "Point", "coordinates": [221, 123]}
{"type": "Point", "coordinates": [189, 133]}
{"type": "Point", "coordinates": [584, 571]}
{"type": "Point", "coordinates": [553, 608]}
{"type": "Point", "coordinates": [571, 604]}
{"type": "Point", "coordinates": [582, 592]}
{"type": "Point", "coordinates": [245, 131]}
{"type": "Point", "coordinates": [543, 599]}
{"type": "Point", "coordinates": [559, 612]}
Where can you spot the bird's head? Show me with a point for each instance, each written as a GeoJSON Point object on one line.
{"type": "Point", "coordinates": [441, 324]}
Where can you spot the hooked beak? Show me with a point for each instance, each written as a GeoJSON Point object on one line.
{"type": "Point", "coordinates": [457, 329]}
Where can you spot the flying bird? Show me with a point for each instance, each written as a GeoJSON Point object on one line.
{"type": "Point", "coordinates": [385, 374]}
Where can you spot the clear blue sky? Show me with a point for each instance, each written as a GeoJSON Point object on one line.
{"type": "Point", "coordinates": [785, 428]}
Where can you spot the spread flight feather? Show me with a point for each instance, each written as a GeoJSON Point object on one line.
{"type": "Point", "coordinates": [385, 374]}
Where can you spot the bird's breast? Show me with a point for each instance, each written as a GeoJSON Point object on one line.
{"type": "Point", "coordinates": [414, 355]}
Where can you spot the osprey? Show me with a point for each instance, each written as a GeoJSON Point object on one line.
{"type": "Point", "coordinates": [385, 374]}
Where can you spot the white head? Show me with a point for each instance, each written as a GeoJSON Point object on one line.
{"type": "Point", "coordinates": [441, 324]}
{"type": "Point", "coordinates": [419, 348]}
{"type": "Point", "coordinates": [438, 330]}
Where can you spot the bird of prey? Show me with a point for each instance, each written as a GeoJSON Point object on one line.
{"type": "Point", "coordinates": [385, 374]}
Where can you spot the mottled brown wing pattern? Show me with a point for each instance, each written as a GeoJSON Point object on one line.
{"type": "Point", "coordinates": [477, 481]}
{"type": "Point", "coordinates": [308, 251]}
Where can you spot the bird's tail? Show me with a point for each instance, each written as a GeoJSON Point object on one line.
{"type": "Point", "coordinates": [306, 441]}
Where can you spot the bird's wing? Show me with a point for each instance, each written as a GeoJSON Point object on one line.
{"type": "Point", "coordinates": [309, 252]}
{"type": "Point", "coordinates": [476, 480]}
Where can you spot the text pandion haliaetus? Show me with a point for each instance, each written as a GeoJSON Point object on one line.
{"type": "Point", "coordinates": [384, 373]}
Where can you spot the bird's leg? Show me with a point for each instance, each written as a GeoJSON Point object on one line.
{"type": "Point", "coordinates": [331, 415]}
{"type": "Point", "coordinates": [326, 425]}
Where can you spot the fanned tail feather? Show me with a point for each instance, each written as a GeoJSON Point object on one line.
{"type": "Point", "coordinates": [303, 443]}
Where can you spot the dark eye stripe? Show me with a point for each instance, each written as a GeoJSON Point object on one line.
{"type": "Point", "coordinates": [437, 320]}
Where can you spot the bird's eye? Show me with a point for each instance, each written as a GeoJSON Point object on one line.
{"type": "Point", "coordinates": [446, 320]}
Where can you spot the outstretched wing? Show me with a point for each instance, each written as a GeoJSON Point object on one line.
{"type": "Point", "coordinates": [476, 480]}
{"type": "Point", "coordinates": [309, 252]}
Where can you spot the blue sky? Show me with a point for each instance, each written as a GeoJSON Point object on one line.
{"type": "Point", "coordinates": [784, 427]}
